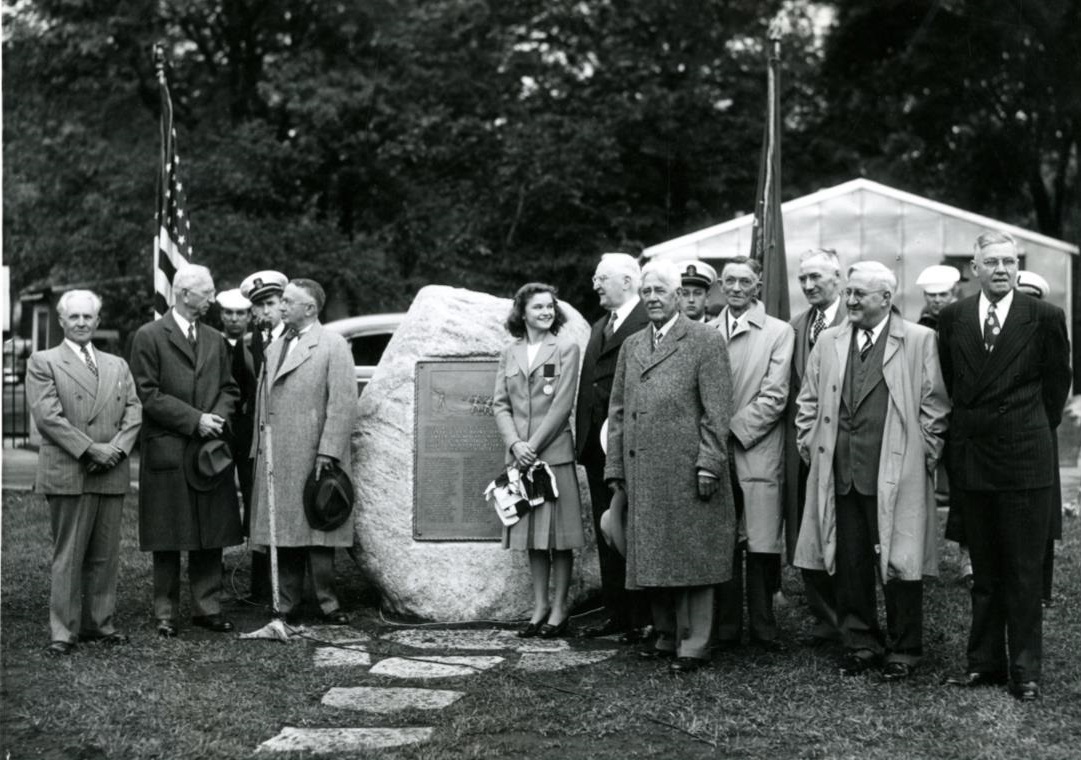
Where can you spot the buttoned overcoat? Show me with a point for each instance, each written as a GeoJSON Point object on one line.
{"type": "Point", "coordinates": [177, 384]}
{"type": "Point", "coordinates": [668, 418]}
{"type": "Point", "coordinates": [760, 356]}
{"type": "Point", "coordinates": [309, 406]}
{"type": "Point", "coordinates": [912, 440]}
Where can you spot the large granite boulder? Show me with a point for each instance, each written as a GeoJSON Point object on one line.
{"type": "Point", "coordinates": [440, 580]}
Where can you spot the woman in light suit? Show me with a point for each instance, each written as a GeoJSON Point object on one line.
{"type": "Point", "coordinates": [534, 392]}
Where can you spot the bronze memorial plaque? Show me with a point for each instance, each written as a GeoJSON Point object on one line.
{"type": "Point", "coordinates": [458, 451]}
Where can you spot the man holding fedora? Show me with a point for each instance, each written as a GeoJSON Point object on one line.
{"type": "Point", "coordinates": [187, 499]}
{"type": "Point", "coordinates": [304, 411]}
{"type": "Point", "coordinates": [696, 277]}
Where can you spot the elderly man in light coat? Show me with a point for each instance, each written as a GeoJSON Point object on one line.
{"type": "Point", "coordinates": [871, 421]}
{"type": "Point", "coordinates": [667, 447]}
{"type": "Point", "coordinates": [307, 398]}
{"type": "Point", "coordinates": [760, 354]}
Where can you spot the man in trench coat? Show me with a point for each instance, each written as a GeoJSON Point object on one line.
{"type": "Point", "coordinates": [307, 398]}
{"type": "Point", "coordinates": [183, 374]}
{"type": "Point", "coordinates": [821, 281]}
{"type": "Point", "coordinates": [872, 417]}
{"type": "Point", "coordinates": [84, 403]}
{"type": "Point", "coordinates": [760, 356]}
{"type": "Point", "coordinates": [667, 448]}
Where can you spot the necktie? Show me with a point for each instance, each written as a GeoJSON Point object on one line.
{"type": "Point", "coordinates": [818, 325]}
{"type": "Point", "coordinates": [657, 338]}
{"type": "Point", "coordinates": [610, 328]}
{"type": "Point", "coordinates": [991, 328]}
{"type": "Point", "coordinates": [89, 361]}
{"type": "Point", "coordinates": [287, 340]}
{"type": "Point", "coordinates": [732, 324]}
{"type": "Point", "coordinates": [191, 334]}
{"type": "Point", "coordinates": [868, 343]}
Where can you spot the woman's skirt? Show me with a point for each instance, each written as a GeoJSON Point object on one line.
{"type": "Point", "coordinates": [553, 524]}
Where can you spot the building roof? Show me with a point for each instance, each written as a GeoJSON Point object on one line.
{"type": "Point", "coordinates": [865, 185]}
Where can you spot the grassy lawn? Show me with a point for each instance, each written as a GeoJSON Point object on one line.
{"type": "Point", "coordinates": [211, 696]}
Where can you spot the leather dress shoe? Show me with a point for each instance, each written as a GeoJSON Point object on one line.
{"type": "Point", "coordinates": [216, 623]}
{"type": "Point", "coordinates": [549, 631]}
{"type": "Point", "coordinates": [59, 648]}
{"type": "Point", "coordinates": [896, 671]}
{"type": "Point", "coordinates": [853, 664]}
{"type": "Point", "coordinates": [652, 653]}
{"type": "Point", "coordinates": [167, 628]}
{"type": "Point", "coordinates": [115, 638]}
{"type": "Point", "coordinates": [1025, 692]}
{"type": "Point", "coordinates": [974, 679]}
{"type": "Point", "coordinates": [607, 628]}
{"type": "Point", "coordinates": [532, 629]}
{"type": "Point", "coordinates": [687, 664]}
{"type": "Point", "coordinates": [334, 617]}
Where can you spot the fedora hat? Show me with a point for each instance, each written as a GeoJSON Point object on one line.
{"type": "Point", "coordinates": [206, 462]}
{"type": "Point", "coordinates": [328, 501]}
{"type": "Point", "coordinates": [614, 521]}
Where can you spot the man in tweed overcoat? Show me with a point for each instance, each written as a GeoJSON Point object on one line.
{"type": "Point", "coordinates": [667, 432]}
{"type": "Point", "coordinates": [308, 395]}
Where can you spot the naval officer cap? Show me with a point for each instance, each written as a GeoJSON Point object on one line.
{"type": "Point", "coordinates": [938, 278]}
{"type": "Point", "coordinates": [1033, 284]}
{"type": "Point", "coordinates": [232, 300]}
{"type": "Point", "coordinates": [263, 284]}
{"type": "Point", "coordinates": [697, 273]}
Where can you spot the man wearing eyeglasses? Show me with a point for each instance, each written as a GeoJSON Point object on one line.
{"type": "Point", "coordinates": [871, 422]}
{"type": "Point", "coordinates": [184, 377]}
{"type": "Point", "coordinates": [616, 282]}
{"type": "Point", "coordinates": [1005, 359]}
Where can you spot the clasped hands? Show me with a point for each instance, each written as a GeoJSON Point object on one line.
{"type": "Point", "coordinates": [103, 456]}
{"type": "Point", "coordinates": [524, 455]}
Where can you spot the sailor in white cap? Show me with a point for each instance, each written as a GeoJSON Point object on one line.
{"type": "Point", "coordinates": [235, 314]}
{"type": "Point", "coordinates": [939, 283]}
{"type": "Point", "coordinates": [264, 290]}
{"type": "Point", "coordinates": [1033, 284]}
{"type": "Point", "coordinates": [697, 277]}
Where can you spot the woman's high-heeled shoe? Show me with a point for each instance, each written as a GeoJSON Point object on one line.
{"type": "Point", "coordinates": [548, 631]}
{"type": "Point", "coordinates": [534, 629]}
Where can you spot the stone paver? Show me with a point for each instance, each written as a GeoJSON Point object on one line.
{"type": "Point", "coordinates": [535, 662]}
{"type": "Point", "coordinates": [382, 700]}
{"type": "Point", "coordinates": [336, 634]}
{"type": "Point", "coordinates": [490, 640]}
{"type": "Point", "coordinates": [434, 666]}
{"type": "Point", "coordinates": [340, 740]}
{"type": "Point", "coordinates": [341, 657]}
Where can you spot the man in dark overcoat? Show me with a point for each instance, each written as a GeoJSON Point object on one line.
{"type": "Point", "coordinates": [820, 280]}
{"type": "Point", "coordinates": [616, 282]}
{"type": "Point", "coordinates": [1006, 363]}
{"type": "Point", "coordinates": [668, 426]}
{"type": "Point", "coordinates": [183, 374]}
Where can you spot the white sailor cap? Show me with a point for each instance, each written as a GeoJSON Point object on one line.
{"type": "Point", "coordinates": [938, 278]}
{"type": "Point", "coordinates": [696, 272]}
{"type": "Point", "coordinates": [258, 286]}
{"type": "Point", "coordinates": [1040, 287]}
{"type": "Point", "coordinates": [232, 300]}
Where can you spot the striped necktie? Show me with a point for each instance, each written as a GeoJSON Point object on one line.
{"type": "Point", "coordinates": [89, 361]}
{"type": "Point", "coordinates": [818, 325]}
{"type": "Point", "coordinates": [868, 343]}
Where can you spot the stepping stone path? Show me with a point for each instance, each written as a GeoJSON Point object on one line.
{"type": "Point", "coordinates": [350, 648]}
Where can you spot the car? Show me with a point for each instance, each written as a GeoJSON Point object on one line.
{"type": "Point", "coordinates": [368, 337]}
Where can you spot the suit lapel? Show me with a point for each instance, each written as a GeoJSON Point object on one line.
{"type": "Point", "coordinates": [108, 378]}
{"type": "Point", "coordinates": [74, 366]}
{"type": "Point", "coordinates": [177, 336]}
{"type": "Point", "coordinates": [842, 346]}
{"type": "Point", "coordinates": [1016, 332]}
{"type": "Point", "coordinates": [303, 349]}
{"type": "Point", "coordinates": [203, 337]}
{"type": "Point", "coordinates": [521, 355]}
{"type": "Point", "coordinates": [668, 345]}
{"type": "Point", "coordinates": [893, 337]}
{"type": "Point", "coordinates": [548, 347]}
{"type": "Point", "coordinates": [969, 335]}
{"type": "Point", "coordinates": [628, 327]}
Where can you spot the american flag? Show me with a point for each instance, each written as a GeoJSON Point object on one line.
{"type": "Point", "coordinates": [172, 244]}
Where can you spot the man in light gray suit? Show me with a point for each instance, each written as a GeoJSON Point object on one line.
{"type": "Point", "coordinates": [84, 403]}
{"type": "Point", "coordinates": [309, 394]}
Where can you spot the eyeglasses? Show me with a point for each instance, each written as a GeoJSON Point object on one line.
{"type": "Point", "coordinates": [1007, 263]}
{"type": "Point", "coordinates": [859, 295]}
{"type": "Point", "coordinates": [600, 279]}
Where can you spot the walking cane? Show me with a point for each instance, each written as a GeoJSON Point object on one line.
{"type": "Point", "coordinates": [276, 629]}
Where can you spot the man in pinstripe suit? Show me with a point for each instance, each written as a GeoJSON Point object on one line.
{"type": "Point", "coordinates": [1005, 360]}
{"type": "Point", "coordinates": [84, 403]}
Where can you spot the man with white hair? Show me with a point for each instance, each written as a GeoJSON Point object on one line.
{"type": "Point", "coordinates": [187, 499]}
{"type": "Point", "coordinates": [616, 282]}
{"type": "Point", "coordinates": [84, 403]}
{"type": "Point", "coordinates": [667, 449]}
{"type": "Point", "coordinates": [871, 423]}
